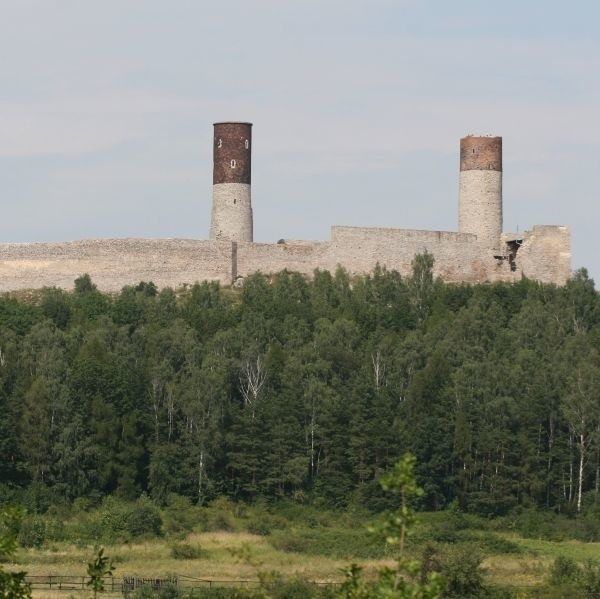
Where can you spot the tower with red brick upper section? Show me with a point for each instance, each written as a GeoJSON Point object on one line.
{"type": "Point", "coordinates": [231, 217]}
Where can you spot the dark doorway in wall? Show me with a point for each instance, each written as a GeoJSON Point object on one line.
{"type": "Point", "coordinates": [512, 248]}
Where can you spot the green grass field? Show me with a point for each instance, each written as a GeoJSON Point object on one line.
{"type": "Point", "coordinates": [229, 541]}
{"type": "Point", "coordinates": [222, 543]}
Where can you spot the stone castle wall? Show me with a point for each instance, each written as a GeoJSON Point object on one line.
{"type": "Point", "coordinates": [114, 263]}
{"type": "Point", "coordinates": [479, 252]}
{"type": "Point", "coordinates": [296, 256]}
{"type": "Point", "coordinates": [459, 257]}
{"type": "Point", "coordinates": [542, 254]}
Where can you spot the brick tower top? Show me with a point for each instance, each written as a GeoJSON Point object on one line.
{"type": "Point", "coordinates": [232, 152]}
{"type": "Point", "coordinates": [480, 153]}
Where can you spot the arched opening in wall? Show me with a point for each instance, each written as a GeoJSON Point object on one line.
{"type": "Point", "coordinates": [220, 143]}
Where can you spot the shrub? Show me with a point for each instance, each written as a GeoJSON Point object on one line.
{"type": "Point", "coordinates": [339, 543]}
{"type": "Point", "coordinates": [55, 529]}
{"type": "Point", "coordinates": [168, 591]}
{"type": "Point", "coordinates": [564, 570]}
{"type": "Point", "coordinates": [552, 527]}
{"type": "Point", "coordinates": [310, 516]}
{"type": "Point", "coordinates": [180, 516]}
{"type": "Point", "coordinates": [539, 525]}
{"type": "Point", "coordinates": [590, 578]}
{"type": "Point", "coordinates": [589, 524]}
{"type": "Point", "coordinates": [462, 571]}
{"type": "Point", "coordinates": [491, 543]}
{"type": "Point", "coordinates": [8, 495]}
{"type": "Point", "coordinates": [264, 524]}
{"type": "Point", "coordinates": [32, 532]}
{"type": "Point", "coordinates": [186, 551]}
{"type": "Point", "coordinates": [221, 514]}
{"type": "Point", "coordinates": [219, 521]}
{"type": "Point", "coordinates": [260, 527]}
{"type": "Point", "coordinates": [112, 518]}
{"type": "Point", "coordinates": [220, 593]}
{"type": "Point", "coordinates": [82, 504]}
{"type": "Point", "coordinates": [278, 587]}
{"type": "Point", "coordinates": [292, 543]}
{"type": "Point", "coordinates": [144, 519]}
{"type": "Point", "coordinates": [117, 520]}
{"type": "Point", "coordinates": [37, 498]}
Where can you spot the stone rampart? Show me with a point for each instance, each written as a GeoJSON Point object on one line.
{"type": "Point", "coordinates": [268, 258]}
{"type": "Point", "coordinates": [113, 263]}
{"type": "Point", "coordinates": [459, 257]}
{"type": "Point", "coordinates": [543, 254]}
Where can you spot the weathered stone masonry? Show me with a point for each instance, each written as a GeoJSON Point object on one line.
{"type": "Point", "coordinates": [479, 252]}
{"type": "Point", "coordinates": [113, 263]}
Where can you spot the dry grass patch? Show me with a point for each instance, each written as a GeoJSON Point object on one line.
{"type": "Point", "coordinates": [241, 555]}
{"type": "Point", "coordinates": [225, 555]}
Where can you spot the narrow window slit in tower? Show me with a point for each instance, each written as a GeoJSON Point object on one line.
{"type": "Point", "coordinates": [235, 200]}
{"type": "Point", "coordinates": [247, 144]}
{"type": "Point", "coordinates": [233, 163]}
{"type": "Point", "coordinates": [220, 143]}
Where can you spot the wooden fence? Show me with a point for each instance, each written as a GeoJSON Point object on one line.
{"type": "Point", "coordinates": [127, 584]}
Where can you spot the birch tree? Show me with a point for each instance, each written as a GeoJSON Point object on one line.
{"type": "Point", "coordinates": [252, 379]}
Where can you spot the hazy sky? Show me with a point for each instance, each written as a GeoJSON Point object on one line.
{"type": "Point", "coordinates": [106, 112]}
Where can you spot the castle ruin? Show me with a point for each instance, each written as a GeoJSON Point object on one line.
{"type": "Point", "coordinates": [480, 251]}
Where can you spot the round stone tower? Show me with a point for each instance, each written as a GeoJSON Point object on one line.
{"type": "Point", "coordinates": [232, 209]}
{"type": "Point", "coordinates": [480, 191]}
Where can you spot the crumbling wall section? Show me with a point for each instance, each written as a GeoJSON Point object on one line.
{"type": "Point", "coordinates": [113, 263]}
{"type": "Point", "coordinates": [545, 254]}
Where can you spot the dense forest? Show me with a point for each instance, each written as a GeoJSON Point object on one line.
{"type": "Point", "coordinates": [304, 389]}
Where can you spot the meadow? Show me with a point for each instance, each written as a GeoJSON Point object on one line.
{"type": "Point", "coordinates": [230, 541]}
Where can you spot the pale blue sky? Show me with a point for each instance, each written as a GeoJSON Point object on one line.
{"type": "Point", "coordinates": [106, 112]}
